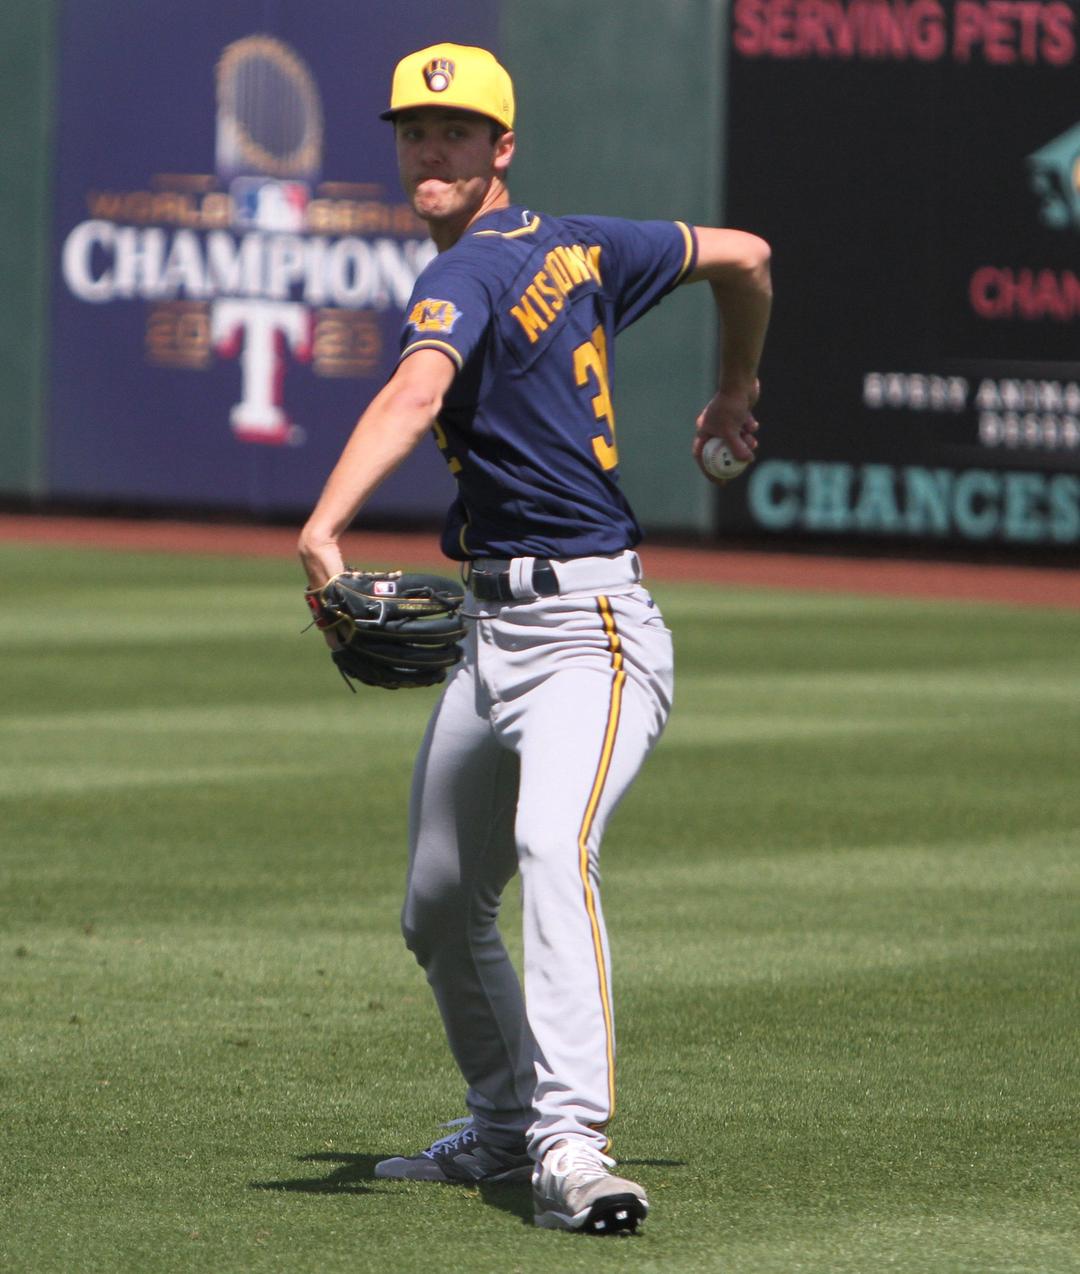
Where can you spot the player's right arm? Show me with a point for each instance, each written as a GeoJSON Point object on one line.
{"type": "Point", "coordinates": [736, 267]}
{"type": "Point", "coordinates": [399, 415]}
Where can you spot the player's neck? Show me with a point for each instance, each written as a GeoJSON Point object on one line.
{"type": "Point", "coordinates": [445, 234]}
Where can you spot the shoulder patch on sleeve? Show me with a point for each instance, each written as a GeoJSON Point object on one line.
{"type": "Point", "coordinates": [433, 315]}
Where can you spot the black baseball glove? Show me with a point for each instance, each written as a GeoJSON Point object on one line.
{"type": "Point", "coordinates": [394, 629]}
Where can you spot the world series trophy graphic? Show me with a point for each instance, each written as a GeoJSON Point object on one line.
{"type": "Point", "coordinates": [268, 155]}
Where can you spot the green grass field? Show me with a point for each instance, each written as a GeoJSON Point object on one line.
{"type": "Point", "coordinates": [842, 897]}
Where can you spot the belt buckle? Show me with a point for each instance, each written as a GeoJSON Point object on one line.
{"type": "Point", "coordinates": [545, 579]}
{"type": "Point", "coordinates": [490, 586]}
{"type": "Point", "coordinates": [494, 586]}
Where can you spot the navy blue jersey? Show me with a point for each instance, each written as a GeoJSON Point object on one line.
{"type": "Point", "coordinates": [528, 306]}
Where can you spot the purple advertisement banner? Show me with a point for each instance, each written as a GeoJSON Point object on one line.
{"type": "Point", "coordinates": [232, 250]}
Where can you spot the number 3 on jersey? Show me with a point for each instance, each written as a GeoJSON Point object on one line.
{"type": "Point", "coordinates": [452, 462]}
{"type": "Point", "coordinates": [591, 356]}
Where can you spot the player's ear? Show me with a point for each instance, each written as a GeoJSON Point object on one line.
{"type": "Point", "coordinates": [504, 152]}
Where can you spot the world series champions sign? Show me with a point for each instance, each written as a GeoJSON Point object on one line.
{"type": "Point", "coordinates": [232, 252]}
{"type": "Point", "coordinates": [916, 165]}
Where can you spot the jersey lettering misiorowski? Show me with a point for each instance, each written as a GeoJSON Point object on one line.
{"type": "Point", "coordinates": [528, 306]}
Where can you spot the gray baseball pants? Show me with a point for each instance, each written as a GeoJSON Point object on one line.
{"type": "Point", "coordinates": [538, 734]}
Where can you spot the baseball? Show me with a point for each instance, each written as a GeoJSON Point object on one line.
{"type": "Point", "coordinates": [717, 459]}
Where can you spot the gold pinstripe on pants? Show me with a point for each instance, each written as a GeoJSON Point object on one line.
{"type": "Point", "coordinates": [602, 769]}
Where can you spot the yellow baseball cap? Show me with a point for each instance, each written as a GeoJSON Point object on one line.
{"type": "Point", "coordinates": [459, 76]}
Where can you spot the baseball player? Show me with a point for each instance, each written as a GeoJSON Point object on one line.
{"type": "Point", "coordinates": [507, 357]}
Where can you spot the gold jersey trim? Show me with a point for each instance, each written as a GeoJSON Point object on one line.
{"type": "Point", "coordinates": [531, 228]}
{"type": "Point", "coordinates": [448, 350]}
{"type": "Point", "coordinates": [688, 238]}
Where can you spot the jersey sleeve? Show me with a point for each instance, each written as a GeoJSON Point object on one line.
{"type": "Point", "coordinates": [449, 310]}
{"type": "Point", "coordinates": [645, 261]}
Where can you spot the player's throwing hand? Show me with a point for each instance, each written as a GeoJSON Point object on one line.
{"type": "Point", "coordinates": [728, 416]}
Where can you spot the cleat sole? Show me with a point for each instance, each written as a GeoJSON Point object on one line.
{"type": "Point", "coordinates": [617, 1214]}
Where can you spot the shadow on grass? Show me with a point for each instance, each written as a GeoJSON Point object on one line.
{"type": "Point", "coordinates": [346, 1178]}
{"type": "Point", "coordinates": [514, 1197]}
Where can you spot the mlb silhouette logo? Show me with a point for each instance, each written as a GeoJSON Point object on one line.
{"type": "Point", "coordinates": [261, 203]}
{"type": "Point", "coordinates": [384, 587]}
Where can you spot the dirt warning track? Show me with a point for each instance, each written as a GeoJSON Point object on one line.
{"type": "Point", "coordinates": [1021, 585]}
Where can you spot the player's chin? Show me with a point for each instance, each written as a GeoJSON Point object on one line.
{"type": "Point", "coordinates": [433, 198]}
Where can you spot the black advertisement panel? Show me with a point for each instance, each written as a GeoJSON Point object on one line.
{"type": "Point", "coordinates": [916, 166]}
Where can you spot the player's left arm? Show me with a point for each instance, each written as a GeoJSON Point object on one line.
{"type": "Point", "coordinates": [736, 267]}
{"type": "Point", "coordinates": [399, 415]}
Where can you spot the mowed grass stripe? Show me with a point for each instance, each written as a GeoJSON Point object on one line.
{"type": "Point", "coordinates": [991, 682]}
{"type": "Point", "coordinates": [76, 752]}
{"type": "Point", "coordinates": [1043, 866]}
{"type": "Point", "coordinates": [859, 910]}
{"type": "Point", "coordinates": [70, 778]}
{"type": "Point", "coordinates": [250, 720]}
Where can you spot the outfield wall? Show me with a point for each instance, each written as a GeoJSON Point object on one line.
{"type": "Point", "coordinates": [26, 107]}
{"type": "Point", "coordinates": [608, 125]}
{"type": "Point", "coordinates": [205, 207]}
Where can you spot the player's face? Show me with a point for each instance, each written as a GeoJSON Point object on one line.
{"type": "Point", "coordinates": [447, 161]}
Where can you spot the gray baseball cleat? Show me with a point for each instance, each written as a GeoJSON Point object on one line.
{"type": "Point", "coordinates": [573, 1189]}
{"type": "Point", "coordinates": [462, 1158]}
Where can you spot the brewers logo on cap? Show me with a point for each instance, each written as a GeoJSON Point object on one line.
{"type": "Point", "coordinates": [457, 77]}
{"type": "Point", "coordinates": [438, 74]}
